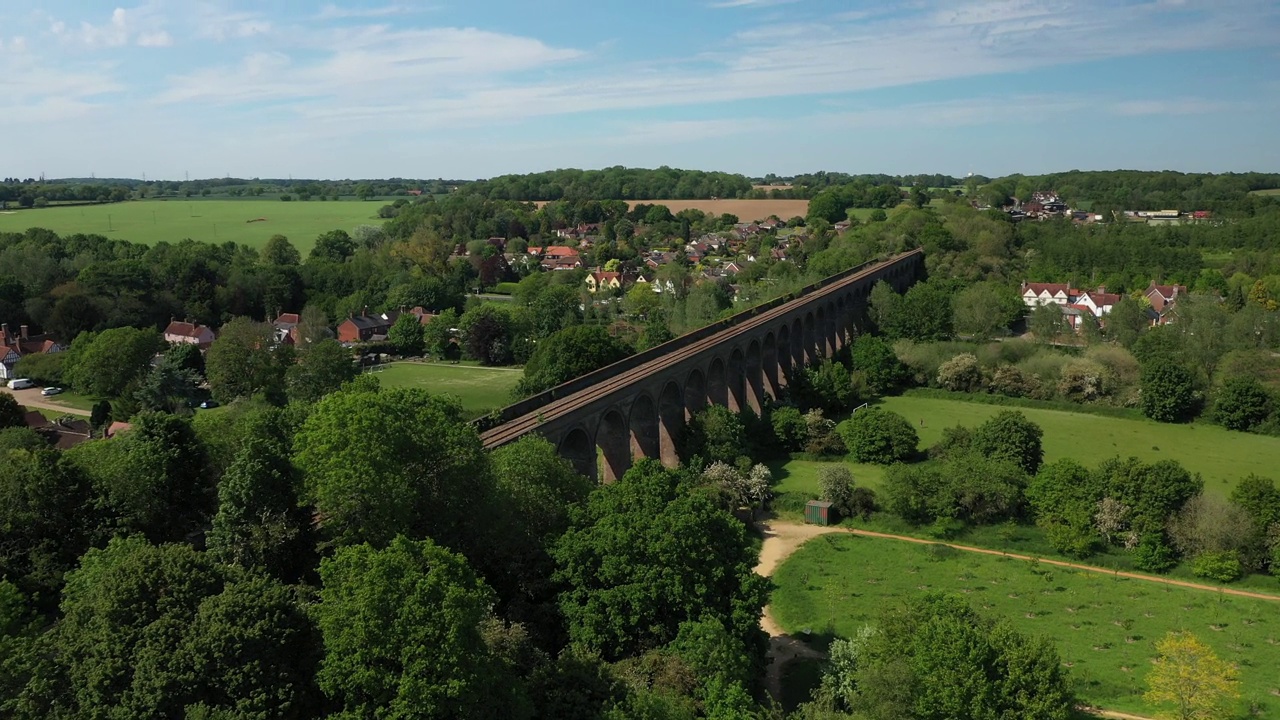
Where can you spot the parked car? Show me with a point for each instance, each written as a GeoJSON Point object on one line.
{"type": "Point", "coordinates": [20, 384]}
{"type": "Point", "coordinates": [50, 391]}
{"type": "Point", "coordinates": [208, 404]}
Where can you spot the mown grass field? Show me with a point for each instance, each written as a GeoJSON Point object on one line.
{"type": "Point", "coordinates": [480, 389]}
{"type": "Point", "coordinates": [214, 221]}
{"type": "Point", "coordinates": [1104, 627]}
{"type": "Point", "coordinates": [1270, 191]}
{"type": "Point", "coordinates": [1221, 456]}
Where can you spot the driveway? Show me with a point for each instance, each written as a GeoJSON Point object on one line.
{"type": "Point", "coordinates": [32, 398]}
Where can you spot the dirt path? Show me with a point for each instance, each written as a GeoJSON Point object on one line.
{"type": "Point", "coordinates": [33, 399]}
{"type": "Point", "coordinates": [781, 539]}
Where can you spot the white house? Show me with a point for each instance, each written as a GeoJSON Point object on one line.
{"type": "Point", "coordinates": [1098, 301]}
{"type": "Point", "coordinates": [1034, 294]}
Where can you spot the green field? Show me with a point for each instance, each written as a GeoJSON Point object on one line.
{"type": "Point", "coordinates": [1271, 191]}
{"type": "Point", "coordinates": [480, 389]}
{"type": "Point", "coordinates": [1221, 456]}
{"type": "Point", "coordinates": [1104, 627]}
{"type": "Point", "coordinates": [213, 221]}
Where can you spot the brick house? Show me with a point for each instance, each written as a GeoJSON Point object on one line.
{"type": "Point", "coordinates": [1163, 298]}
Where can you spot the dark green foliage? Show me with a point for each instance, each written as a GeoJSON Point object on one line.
{"type": "Point", "coordinates": [789, 428]}
{"type": "Point", "coordinates": [568, 354]}
{"type": "Point", "coordinates": [242, 361]}
{"type": "Point", "coordinates": [1063, 496]}
{"type": "Point", "coordinates": [1259, 497]}
{"type": "Point", "coordinates": [402, 638]}
{"type": "Point", "coordinates": [260, 524]}
{"type": "Point", "coordinates": [100, 416]}
{"type": "Point", "coordinates": [18, 628]}
{"type": "Point", "coordinates": [151, 480]}
{"type": "Point", "coordinates": [826, 385]}
{"type": "Point", "coordinates": [955, 441]}
{"type": "Point", "coordinates": [966, 488]}
{"type": "Point", "coordinates": [874, 357]}
{"type": "Point", "coordinates": [379, 464]}
{"type": "Point", "coordinates": [1152, 492]}
{"type": "Point", "coordinates": [617, 605]}
{"type": "Point", "coordinates": [21, 438]}
{"type": "Point", "coordinates": [936, 659]}
{"type": "Point", "coordinates": [149, 631]}
{"type": "Point", "coordinates": [487, 333]}
{"type": "Point", "coordinates": [47, 519]}
{"type": "Point", "coordinates": [1009, 435]}
{"type": "Point", "coordinates": [334, 246]}
{"type": "Point", "coordinates": [322, 367]}
{"type": "Point", "coordinates": [922, 313]}
{"type": "Point", "coordinates": [186, 356]}
{"type": "Point", "coordinates": [1153, 554]}
{"type": "Point", "coordinates": [169, 387]}
{"type": "Point", "coordinates": [1168, 391]}
{"type": "Point", "coordinates": [10, 412]}
{"type": "Point", "coordinates": [715, 434]}
{"type": "Point", "coordinates": [1242, 404]}
{"type": "Point", "coordinates": [406, 335]}
{"type": "Point", "coordinates": [106, 363]}
{"type": "Point", "coordinates": [875, 435]}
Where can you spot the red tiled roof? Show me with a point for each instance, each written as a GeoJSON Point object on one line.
{"type": "Point", "coordinates": [184, 329]}
{"type": "Point", "coordinates": [288, 319]}
{"type": "Point", "coordinates": [1102, 299]}
{"type": "Point", "coordinates": [1053, 288]}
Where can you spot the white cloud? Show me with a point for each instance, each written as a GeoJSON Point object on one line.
{"type": "Point", "coordinates": [155, 39]}
{"type": "Point", "coordinates": [221, 25]}
{"type": "Point", "coordinates": [333, 12]}
{"type": "Point", "coordinates": [1171, 106]}
{"type": "Point", "coordinates": [722, 4]}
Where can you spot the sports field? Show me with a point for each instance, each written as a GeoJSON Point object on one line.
{"type": "Point", "coordinates": [1104, 627]}
{"type": "Point", "coordinates": [1221, 456]}
{"type": "Point", "coordinates": [248, 222]}
{"type": "Point", "coordinates": [480, 389]}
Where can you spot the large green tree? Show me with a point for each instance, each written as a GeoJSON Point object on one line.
{"type": "Point", "coordinates": [244, 361]}
{"type": "Point", "coordinates": [1168, 390]}
{"type": "Point", "coordinates": [378, 464]}
{"type": "Point", "coordinates": [985, 309]}
{"type": "Point", "coordinates": [614, 600]}
{"type": "Point", "coordinates": [322, 367]}
{"type": "Point", "coordinates": [10, 412]}
{"type": "Point", "coordinates": [406, 335]}
{"type": "Point", "coordinates": [1241, 404]}
{"type": "Point", "coordinates": [111, 360]}
{"type": "Point", "coordinates": [401, 629]}
{"type": "Point", "coordinates": [876, 435]}
{"type": "Point", "coordinates": [568, 354]}
{"type": "Point", "coordinates": [1009, 435]}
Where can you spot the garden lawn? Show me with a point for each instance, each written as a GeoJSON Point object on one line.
{"type": "Point", "coordinates": [480, 389]}
{"type": "Point", "coordinates": [796, 482]}
{"type": "Point", "coordinates": [1104, 627]}
{"type": "Point", "coordinates": [1221, 456]}
{"type": "Point", "coordinates": [213, 221]}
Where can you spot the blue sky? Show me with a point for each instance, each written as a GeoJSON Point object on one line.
{"type": "Point", "coordinates": [367, 88]}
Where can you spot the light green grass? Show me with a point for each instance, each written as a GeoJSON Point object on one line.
{"type": "Point", "coordinates": [1269, 191]}
{"type": "Point", "coordinates": [213, 221]}
{"type": "Point", "coordinates": [796, 482]}
{"type": "Point", "coordinates": [480, 389]}
{"type": "Point", "coordinates": [1103, 627]}
{"type": "Point", "coordinates": [1221, 456]}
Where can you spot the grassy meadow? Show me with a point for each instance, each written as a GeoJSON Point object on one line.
{"type": "Point", "coordinates": [1104, 627]}
{"type": "Point", "coordinates": [1221, 456]}
{"type": "Point", "coordinates": [213, 221]}
{"type": "Point", "coordinates": [480, 389]}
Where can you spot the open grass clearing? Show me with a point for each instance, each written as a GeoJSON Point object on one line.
{"type": "Point", "coordinates": [248, 222]}
{"type": "Point", "coordinates": [1268, 191]}
{"type": "Point", "coordinates": [1221, 456]}
{"type": "Point", "coordinates": [480, 389]}
{"type": "Point", "coordinates": [1104, 627]}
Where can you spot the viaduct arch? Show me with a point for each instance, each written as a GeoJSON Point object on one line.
{"type": "Point", "coordinates": [636, 408]}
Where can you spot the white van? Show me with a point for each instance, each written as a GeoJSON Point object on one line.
{"type": "Point", "coordinates": [20, 384]}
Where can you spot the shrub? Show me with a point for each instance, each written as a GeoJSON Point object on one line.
{"type": "Point", "coordinates": [1121, 366]}
{"type": "Point", "coordinates": [1010, 352]}
{"type": "Point", "coordinates": [836, 484]}
{"type": "Point", "coordinates": [1168, 391]}
{"type": "Point", "coordinates": [1046, 368]}
{"type": "Point", "coordinates": [961, 374]}
{"type": "Point", "coordinates": [955, 440]}
{"type": "Point", "coordinates": [1242, 404]}
{"type": "Point", "coordinates": [874, 357]}
{"type": "Point", "coordinates": [1082, 380]}
{"type": "Point", "coordinates": [863, 503]}
{"type": "Point", "coordinates": [1153, 554]}
{"type": "Point", "coordinates": [875, 435]}
{"type": "Point", "coordinates": [789, 428]}
{"type": "Point", "coordinates": [826, 385]}
{"type": "Point", "coordinates": [822, 436]}
{"type": "Point", "coordinates": [716, 433]}
{"type": "Point", "coordinates": [1222, 566]}
{"type": "Point", "coordinates": [1010, 381]}
{"type": "Point", "coordinates": [1009, 435]}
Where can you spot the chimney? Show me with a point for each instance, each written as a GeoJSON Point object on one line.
{"type": "Point", "coordinates": [364, 312]}
{"type": "Point", "coordinates": [23, 331]}
{"type": "Point", "coordinates": [1102, 289]}
{"type": "Point", "coordinates": [4, 329]}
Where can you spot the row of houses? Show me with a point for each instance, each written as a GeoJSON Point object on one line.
{"type": "Point", "coordinates": [1098, 302]}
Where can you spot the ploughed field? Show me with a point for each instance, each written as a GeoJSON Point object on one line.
{"type": "Point", "coordinates": [1104, 628]}
{"type": "Point", "coordinates": [247, 222]}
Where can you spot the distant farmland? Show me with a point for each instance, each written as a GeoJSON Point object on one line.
{"type": "Point", "coordinates": [248, 222]}
{"type": "Point", "coordinates": [746, 210]}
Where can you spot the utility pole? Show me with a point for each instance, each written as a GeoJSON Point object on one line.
{"type": "Point", "coordinates": [109, 228]}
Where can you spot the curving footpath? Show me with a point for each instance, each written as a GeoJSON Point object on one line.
{"type": "Point", "coordinates": [781, 539]}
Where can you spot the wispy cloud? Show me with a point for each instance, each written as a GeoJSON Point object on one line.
{"type": "Point", "coordinates": [143, 26]}
{"type": "Point", "coordinates": [1172, 106]}
{"type": "Point", "coordinates": [334, 12]}
{"type": "Point", "coordinates": [221, 25]}
{"type": "Point", "coordinates": [723, 4]}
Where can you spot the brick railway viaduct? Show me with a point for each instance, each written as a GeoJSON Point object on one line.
{"type": "Point", "coordinates": [636, 407]}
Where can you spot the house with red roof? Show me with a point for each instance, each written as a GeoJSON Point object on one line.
{"type": "Point", "coordinates": [1099, 301]}
{"type": "Point", "coordinates": [189, 333]}
{"type": "Point", "coordinates": [1034, 294]}
{"type": "Point", "coordinates": [1163, 298]}
{"type": "Point", "coordinates": [13, 346]}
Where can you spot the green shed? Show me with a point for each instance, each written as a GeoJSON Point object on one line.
{"type": "Point", "coordinates": [819, 512]}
